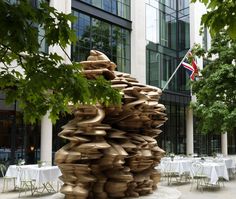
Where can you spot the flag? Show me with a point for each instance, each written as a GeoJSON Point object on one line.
{"type": "Point", "coordinates": [191, 68]}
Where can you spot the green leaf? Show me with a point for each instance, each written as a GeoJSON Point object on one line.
{"type": "Point", "coordinates": [40, 81]}
{"type": "Point", "coordinates": [215, 90]}
{"type": "Point", "coordinates": [232, 30]}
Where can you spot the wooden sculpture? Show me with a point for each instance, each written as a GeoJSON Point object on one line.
{"type": "Point", "coordinates": [112, 151]}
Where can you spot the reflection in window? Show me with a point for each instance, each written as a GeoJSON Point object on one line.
{"type": "Point", "coordinates": [184, 32]}
{"type": "Point", "coordinates": [183, 4]}
{"type": "Point", "coordinates": [174, 138]}
{"type": "Point", "coordinates": [205, 39]}
{"type": "Point", "coordinates": [167, 33]}
{"type": "Point", "coordinates": [154, 68]}
{"type": "Point", "coordinates": [152, 24]}
{"type": "Point", "coordinates": [97, 3]}
{"type": "Point", "coordinates": [118, 7]}
{"type": "Point", "coordinates": [159, 69]}
{"type": "Point", "coordinates": [167, 30]}
{"type": "Point", "coordinates": [168, 67]}
{"type": "Point", "coordinates": [92, 33]}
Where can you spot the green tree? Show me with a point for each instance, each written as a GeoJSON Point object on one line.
{"type": "Point", "coordinates": [220, 14]}
{"type": "Point", "coordinates": [41, 81]}
{"type": "Point", "coordinates": [216, 89]}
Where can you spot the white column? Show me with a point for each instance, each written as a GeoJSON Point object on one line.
{"type": "Point", "coordinates": [65, 7]}
{"type": "Point", "coordinates": [224, 144]}
{"type": "Point", "coordinates": [46, 124]}
{"type": "Point", "coordinates": [46, 140]}
{"type": "Point", "coordinates": [138, 41]}
{"type": "Point", "coordinates": [196, 10]}
{"type": "Point", "coordinates": [189, 131]}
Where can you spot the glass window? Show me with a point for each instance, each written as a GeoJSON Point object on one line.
{"type": "Point", "coordinates": [93, 33]}
{"type": "Point", "coordinates": [114, 6]}
{"type": "Point", "coordinates": [100, 36]}
{"type": "Point", "coordinates": [174, 138]}
{"type": "Point", "coordinates": [97, 3]}
{"type": "Point", "coordinates": [205, 39]}
{"type": "Point", "coordinates": [154, 68]}
{"type": "Point", "coordinates": [120, 8]}
{"type": "Point", "coordinates": [154, 3]}
{"type": "Point", "coordinates": [183, 4]}
{"type": "Point", "coordinates": [170, 29]}
{"type": "Point", "coordinates": [87, 1]}
{"type": "Point", "coordinates": [17, 140]}
{"type": "Point", "coordinates": [206, 144]}
{"type": "Point", "coordinates": [152, 24]}
{"type": "Point", "coordinates": [169, 3]}
{"type": "Point", "coordinates": [168, 64]}
{"type": "Point", "coordinates": [184, 33]}
{"type": "Point", "coordinates": [160, 67]}
{"type": "Point", "coordinates": [232, 142]}
{"type": "Point", "coordinates": [167, 30]}
{"type": "Point", "coordinates": [106, 5]}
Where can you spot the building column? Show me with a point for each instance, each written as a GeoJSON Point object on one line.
{"type": "Point", "coordinates": [46, 124]}
{"type": "Point", "coordinates": [138, 41]}
{"type": "Point", "coordinates": [46, 140]}
{"type": "Point", "coordinates": [224, 144]}
{"type": "Point", "coordinates": [189, 131]}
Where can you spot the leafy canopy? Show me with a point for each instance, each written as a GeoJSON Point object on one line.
{"type": "Point", "coordinates": [216, 90]}
{"type": "Point", "coordinates": [41, 81]}
{"type": "Point", "coordinates": [220, 14]}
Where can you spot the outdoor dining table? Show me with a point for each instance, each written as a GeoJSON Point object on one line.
{"type": "Point", "coordinates": [42, 176]}
{"type": "Point", "coordinates": [229, 162]}
{"type": "Point", "coordinates": [214, 170]}
{"type": "Point", "coordinates": [179, 166]}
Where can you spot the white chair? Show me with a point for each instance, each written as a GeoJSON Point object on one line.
{"type": "Point", "coordinates": [26, 184]}
{"type": "Point", "coordinates": [6, 179]}
{"type": "Point", "coordinates": [170, 173]}
{"type": "Point", "coordinates": [198, 177]}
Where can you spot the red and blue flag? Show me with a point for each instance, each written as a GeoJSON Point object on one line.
{"type": "Point", "coordinates": [191, 68]}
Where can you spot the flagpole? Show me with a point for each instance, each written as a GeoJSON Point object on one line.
{"type": "Point", "coordinates": [176, 69]}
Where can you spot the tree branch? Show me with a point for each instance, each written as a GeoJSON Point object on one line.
{"type": "Point", "coordinates": [66, 53]}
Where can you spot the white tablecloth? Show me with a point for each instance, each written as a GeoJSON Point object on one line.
{"type": "Point", "coordinates": [229, 162]}
{"type": "Point", "coordinates": [215, 170]}
{"type": "Point", "coordinates": [40, 175]}
{"type": "Point", "coordinates": [178, 166]}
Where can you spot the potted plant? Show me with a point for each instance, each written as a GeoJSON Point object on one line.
{"type": "Point", "coordinates": [214, 154]}
{"type": "Point", "coordinates": [20, 162]}
{"type": "Point", "coordinates": [172, 155]}
{"type": "Point", "coordinates": [40, 163]}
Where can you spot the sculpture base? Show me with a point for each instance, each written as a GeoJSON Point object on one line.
{"type": "Point", "coordinates": [162, 192]}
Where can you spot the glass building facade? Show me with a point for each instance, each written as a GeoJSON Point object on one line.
{"type": "Point", "coordinates": [103, 25]}
{"type": "Point", "coordinates": [17, 139]}
{"type": "Point", "coordinates": [167, 34]}
{"type": "Point", "coordinates": [120, 8]}
{"type": "Point", "coordinates": [168, 40]}
{"type": "Point", "coordinates": [93, 33]}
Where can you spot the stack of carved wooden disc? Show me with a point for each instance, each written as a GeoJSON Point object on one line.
{"type": "Point", "coordinates": [112, 151]}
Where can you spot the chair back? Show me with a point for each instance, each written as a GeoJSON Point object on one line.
{"type": "Point", "coordinates": [166, 167]}
{"type": "Point", "coordinates": [21, 173]}
{"type": "Point", "coordinates": [170, 167]}
{"type": "Point", "coordinates": [197, 168]}
{"type": "Point", "coordinates": [2, 169]}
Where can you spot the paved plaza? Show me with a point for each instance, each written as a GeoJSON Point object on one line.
{"type": "Point", "coordinates": [164, 191]}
